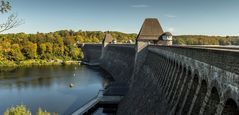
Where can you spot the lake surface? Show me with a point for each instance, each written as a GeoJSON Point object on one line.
{"type": "Point", "coordinates": [48, 87]}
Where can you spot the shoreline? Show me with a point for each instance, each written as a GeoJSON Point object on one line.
{"type": "Point", "coordinates": [10, 65]}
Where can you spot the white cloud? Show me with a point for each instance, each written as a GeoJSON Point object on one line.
{"type": "Point", "coordinates": [170, 29]}
{"type": "Point", "coordinates": [170, 16]}
{"type": "Point", "coordinates": [140, 6]}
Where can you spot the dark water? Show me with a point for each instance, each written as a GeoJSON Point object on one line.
{"type": "Point", "coordinates": [48, 87]}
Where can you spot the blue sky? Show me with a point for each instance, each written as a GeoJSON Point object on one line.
{"type": "Point", "coordinates": [207, 17]}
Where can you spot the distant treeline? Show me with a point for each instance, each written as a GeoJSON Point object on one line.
{"type": "Point", "coordinates": [59, 45]}
{"type": "Point", "coordinates": [205, 40]}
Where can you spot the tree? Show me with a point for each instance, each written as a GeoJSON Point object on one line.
{"type": "Point", "coordinates": [15, 53]}
{"type": "Point", "coordinates": [42, 112]}
{"type": "Point", "coordinates": [5, 6]}
{"type": "Point", "coordinates": [74, 52]}
{"type": "Point", "coordinates": [95, 40]}
{"type": "Point", "coordinates": [12, 21]}
{"type": "Point", "coordinates": [42, 50]}
{"type": "Point", "coordinates": [58, 50]}
{"type": "Point", "coordinates": [30, 50]}
{"type": "Point", "coordinates": [70, 40]}
{"type": "Point", "coordinates": [48, 47]}
{"type": "Point", "coordinates": [18, 110]}
{"type": "Point", "coordinates": [23, 110]}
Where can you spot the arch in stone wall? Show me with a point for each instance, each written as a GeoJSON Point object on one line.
{"type": "Point", "coordinates": [166, 68]}
{"type": "Point", "coordinates": [191, 94]}
{"type": "Point", "coordinates": [170, 75]}
{"type": "Point", "coordinates": [184, 90]}
{"type": "Point", "coordinates": [168, 63]}
{"type": "Point", "coordinates": [230, 108]}
{"type": "Point", "coordinates": [213, 101]}
{"type": "Point", "coordinates": [163, 69]}
{"type": "Point", "coordinates": [230, 99]}
{"type": "Point", "coordinates": [200, 98]}
{"type": "Point", "coordinates": [167, 76]}
{"type": "Point", "coordinates": [176, 75]}
{"type": "Point", "coordinates": [180, 83]}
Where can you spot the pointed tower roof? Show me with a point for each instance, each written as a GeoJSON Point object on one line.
{"type": "Point", "coordinates": [150, 30]}
{"type": "Point", "coordinates": [108, 38]}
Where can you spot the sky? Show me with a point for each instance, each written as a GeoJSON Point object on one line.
{"type": "Point", "coordinates": [181, 17]}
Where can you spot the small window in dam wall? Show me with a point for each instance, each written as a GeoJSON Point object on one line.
{"type": "Point", "coordinates": [230, 108]}
{"type": "Point", "coordinates": [200, 98]}
{"type": "Point", "coordinates": [212, 103]}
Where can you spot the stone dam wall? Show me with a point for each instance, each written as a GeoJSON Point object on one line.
{"type": "Point", "coordinates": [175, 80]}
{"type": "Point", "coordinates": [123, 55]}
{"type": "Point", "coordinates": [92, 52]}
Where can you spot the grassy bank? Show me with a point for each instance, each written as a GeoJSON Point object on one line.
{"type": "Point", "coordinates": [23, 110]}
{"type": "Point", "coordinates": [9, 65]}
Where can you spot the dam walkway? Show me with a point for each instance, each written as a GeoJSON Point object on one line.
{"type": "Point", "coordinates": [111, 96]}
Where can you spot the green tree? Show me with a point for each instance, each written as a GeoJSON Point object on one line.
{"type": "Point", "coordinates": [30, 50]}
{"type": "Point", "coordinates": [53, 45]}
{"type": "Point", "coordinates": [42, 50]}
{"type": "Point", "coordinates": [49, 50]}
{"type": "Point", "coordinates": [95, 40]}
{"type": "Point", "coordinates": [69, 40]}
{"type": "Point", "coordinates": [15, 53]}
{"type": "Point", "coordinates": [22, 110]}
{"type": "Point", "coordinates": [58, 50]}
{"type": "Point", "coordinates": [42, 112]}
{"type": "Point", "coordinates": [74, 53]}
{"type": "Point", "coordinates": [18, 110]}
{"type": "Point", "coordinates": [49, 47]}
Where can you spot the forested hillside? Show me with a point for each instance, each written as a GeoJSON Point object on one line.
{"type": "Point", "coordinates": [205, 40]}
{"type": "Point", "coordinates": [21, 48]}
{"type": "Point", "coordinates": [59, 45]}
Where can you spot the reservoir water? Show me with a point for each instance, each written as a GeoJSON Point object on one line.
{"type": "Point", "coordinates": [48, 87]}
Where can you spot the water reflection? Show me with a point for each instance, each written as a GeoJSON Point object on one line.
{"type": "Point", "coordinates": [48, 87]}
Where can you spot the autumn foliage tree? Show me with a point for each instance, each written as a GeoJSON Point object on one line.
{"type": "Point", "coordinates": [30, 50]}
{"type": "Point", "coordinates": [15, 53]}
{"type": "Point", "coordinates": [59, 45]}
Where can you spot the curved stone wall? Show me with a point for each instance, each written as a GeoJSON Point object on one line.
{"type": "Point", "coordinates": [174, 79]}
{"type": "Point", "coordinates": [92, 52]}
{"type": "Point", "coordinates": [118, 60]}
{"type": "Point", "coordinates": [180, 80]}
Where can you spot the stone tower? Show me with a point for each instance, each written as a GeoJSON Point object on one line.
{"type": "Point", "coordinates": [107, 40]}
{"type": "Point", "coordinates": [151, 32]}
{"type": "Point", "coordinates": [165, 39]}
